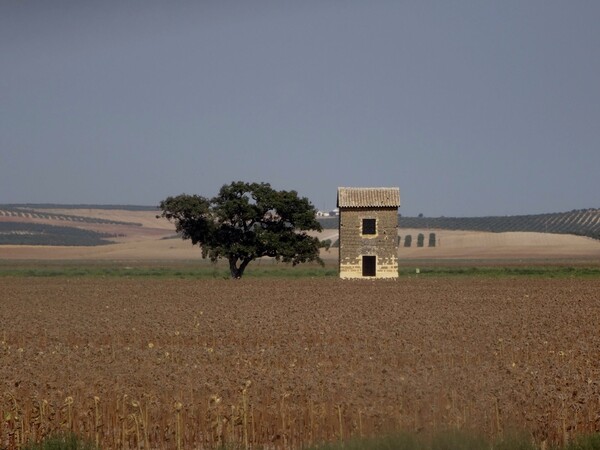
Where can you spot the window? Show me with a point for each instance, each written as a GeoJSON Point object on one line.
{"type": "Point", "coordinates": [369, 266]}
{"type": "Point", "coordinates": [369, 226]}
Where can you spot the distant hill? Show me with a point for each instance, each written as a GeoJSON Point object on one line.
{"type": "Point", "coordinates": [19, 233]}
{"type": "Point", "coordinates": [45, 212]}
{"type": "Point", "coordinates": [582, 222]}
{"type": "Point", "coordinates": [92, 225]}
{"type": "Point", "coordinates": [77, 206]}
{"type": "Point", "coordinates": [67, 225]}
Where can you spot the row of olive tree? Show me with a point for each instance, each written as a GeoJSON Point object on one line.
{"type": "Point", "coordinates": [246, 221]}
{"type": "Point", "coordinates": [420, 240]}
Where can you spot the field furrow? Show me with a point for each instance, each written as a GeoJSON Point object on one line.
{"type": "Point", "coordinates": [133, 363]}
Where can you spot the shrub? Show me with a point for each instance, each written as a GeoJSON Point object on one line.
{"type": "Point", "coordinates": [432, 239]}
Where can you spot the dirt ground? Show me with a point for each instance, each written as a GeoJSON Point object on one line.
{"type": "Point", "coordinates": [283, 363]}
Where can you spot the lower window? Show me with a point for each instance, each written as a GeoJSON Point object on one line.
{"type": "Point", "coordinates": [369, 266]}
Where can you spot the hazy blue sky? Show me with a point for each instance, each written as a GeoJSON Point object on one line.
{"type": "Point", "coordinates": [470, 107]}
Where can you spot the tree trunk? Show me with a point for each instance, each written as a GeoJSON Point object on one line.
{"type": "Point", "coordinates": [235, 270]}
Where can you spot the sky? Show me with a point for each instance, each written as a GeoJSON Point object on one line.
{"type": "Point", "coordinates": [471, 108]}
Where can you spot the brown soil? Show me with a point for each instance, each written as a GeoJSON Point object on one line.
{"type": "Point", "coordinates": [285, 363]}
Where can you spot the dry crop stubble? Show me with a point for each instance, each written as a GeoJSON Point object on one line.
{"type": "Point", "coordinates": [187, 364]}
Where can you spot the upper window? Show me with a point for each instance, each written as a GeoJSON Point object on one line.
{"type": "Point", "coordinates": [369, 226]}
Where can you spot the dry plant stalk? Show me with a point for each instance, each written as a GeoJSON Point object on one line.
{"type": "Point", "coordinates": [178, 424]}
{"type": "Point", "coordinates": [339, 410]}
{"type": "Point", "coordinates": [336, 373]}
{"type": "Point", "coordinates": [97, 421]}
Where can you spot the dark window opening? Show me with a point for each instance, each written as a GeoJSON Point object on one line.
{"type": "Point", "coordinates": [369, 226]}
{"type": "Point", "coordinates": [369, 266]}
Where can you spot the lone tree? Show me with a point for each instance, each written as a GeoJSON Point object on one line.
{"type": "Point", "coordinates": [247, 221]}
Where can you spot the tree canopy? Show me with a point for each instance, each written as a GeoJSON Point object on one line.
{"type": "Point", "coordinates": [246, 221]}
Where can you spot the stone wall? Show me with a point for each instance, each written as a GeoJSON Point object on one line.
{"type": "Point", "coordinates": [354, 245]}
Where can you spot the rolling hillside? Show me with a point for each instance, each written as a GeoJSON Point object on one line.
{"type": "Point", "coordinates": [91, 232]}
{"type": "Point", "coordinates": [584, 222]}
{"type": "Point", "coordinates": [78, 225]}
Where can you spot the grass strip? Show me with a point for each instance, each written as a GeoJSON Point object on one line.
{"type": "Point", "coordinates": [158, 272]}
{"type": "Point", "coordinates": [457, 440]}
{"type": "Point", "coordinates": [61, 442]}
{"type": "Point", "coordinates": [204, 270]}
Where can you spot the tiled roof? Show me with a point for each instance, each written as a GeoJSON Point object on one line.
{"type": "Point", "coordinates": [351, 197]}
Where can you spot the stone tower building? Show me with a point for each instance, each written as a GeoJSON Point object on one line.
{"type": "Point", "coordinates": [368, 232]}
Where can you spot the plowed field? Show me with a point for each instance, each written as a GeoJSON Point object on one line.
{"type": "Point", "coordinates": [136, 363]}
